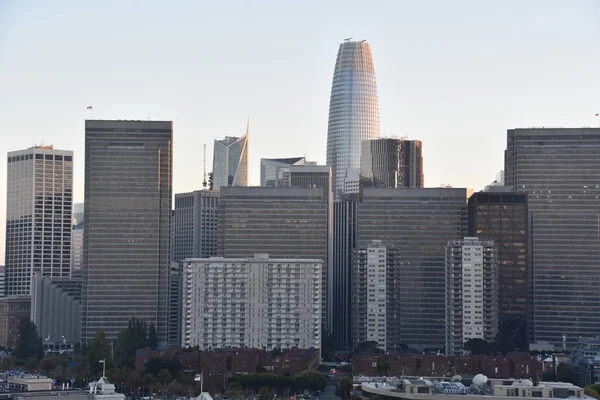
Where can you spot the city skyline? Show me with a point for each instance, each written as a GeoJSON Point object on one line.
{"type": "Point", "coordinates": [455, 78]}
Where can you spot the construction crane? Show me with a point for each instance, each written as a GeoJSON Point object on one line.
{"type": "Point", "coordinates": [204, 183]}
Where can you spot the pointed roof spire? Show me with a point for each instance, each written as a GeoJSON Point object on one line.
{"type": "Point", "coordinates": [248, 126]}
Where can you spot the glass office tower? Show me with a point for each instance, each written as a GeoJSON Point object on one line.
{"type": "Point", "coordinates": [128, 192]}
{"type": "Point", "coordinates": [559, 169]}
{"type": "Point", "coordinates": [230, 161]}
{"type": "Point", "coordinates": [353, 110]}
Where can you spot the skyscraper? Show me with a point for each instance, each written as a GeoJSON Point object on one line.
{"type": "Point", "coordinates": [275, 172]}
{"type": "Point", "coordinates": [392, 163]}
{"type": "Point", "coordinates": [501, 216]}
{"type": "Point", "coordinates": [418, 223]}
{"type": "Point", "coordinates": [230, 161]}
{"type": "Point", "coordinates": [471, 293]}
{"type": "Point", "coordinates": [559, 170]}
{"type": "Point", "coordinates": [39, 195]}
{"type": "Point", "coordinates": [353, 109]}
{"type": "Point", "coordinates": [128, 189]}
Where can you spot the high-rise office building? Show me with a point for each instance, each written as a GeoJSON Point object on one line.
{"type": "Point", "coordinates": [2, 283]}
{"type": "Point", "coordinates": [230, 161]}
{"type": "Point", "coordinates": [353, 110]}
{"type": "Point", "coordinates": [77, 247]}
{"type": "Point", "coordinates": [418, 223]}
{"type": "Point", "coordinates": [194, 235]}
{"type": "Point", "coordinates": [39, 195]}
{"type": "Point", "coordinates": [195, 231]}
{"type": "Point", "coordinates": [339, 312]}
{"type": "Point", "coordinates": [471, 293]}
{"type": "Point", "coordinates": [128, 191]}
{"type": "Point", "coordinates": [282, 222]}
{"type": "Point", "coordinates": [559, 170]}
{"type": "Point", "coordinates": [257, 302]}
{"type": "Point", "coordinates": [78, 213]}
{"type": "Point", "coordinates": [275, 172]}
{"type": "Point", "coordinates": [392, 163]}
{"type": "Point", "coordinates": [501, 216]}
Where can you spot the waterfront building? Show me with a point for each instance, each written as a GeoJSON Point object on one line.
{"type": "Point", "coordinates": [471, 293]}
{"type": "Point", "coordinates": [501, 215]}
{"type": "Point", "coordinates": [559, 170]}
{"type": "Point", "coordinates": [39, 195]}
{"type": "Point", "coordinates": [392, 163]}
{"type": "Point", "coordinates": [353, 110]}
{"type": "Point", "coordinates": [230, 161]}
{"type": "Point", "coordinates": [128, 192]}
{"type": "Point", "coordinates": [257, 302]}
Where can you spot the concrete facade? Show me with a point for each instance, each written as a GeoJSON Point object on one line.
{"type": "Point", "coordinates": [252, 302]}
{"type": "Point", "coordinates": [12, 311]}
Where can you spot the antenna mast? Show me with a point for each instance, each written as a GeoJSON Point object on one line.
{"type": "Point", "coordinates": [204, 183]}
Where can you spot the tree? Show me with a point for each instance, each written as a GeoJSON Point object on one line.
{"type": "Point", "coordinates": [478, 347]}
{"type": "Point", "coordinates": [99, 350]}
{"type": "Point", "coordinates": [152, 341]}
{"type": "Point", "coordinates": [549, 377]}
{"type": "Point", "coordinates": [564, 373]}
{"type": "Point", "coordinates": [368, 347]}
{"type": "Point", "coordinates": [164, 376]}
{"type": "Point", "coordinates": [265, 394]}
{"type": "Point", "coordinates": [29, 344]}
{"type": "Point", "coordinates": [234, 390]}
{"type": "Point", "coordinates": [344, 388]}
{"type": "Point", "coordinates": [309, 380]}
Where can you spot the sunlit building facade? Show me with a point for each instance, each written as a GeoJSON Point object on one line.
{"type": "Point", "coordinates": [39, 199]}
{"type": "Point", "coordinates": [353, 110]}
{"type": "Point", "coordinates": [230, 161]}
{"type": "Point", "coordinates": [559, 170]}
{"type": "Point", "coordinates": [392, 163]}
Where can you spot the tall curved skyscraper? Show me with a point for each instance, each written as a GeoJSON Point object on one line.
{"type": "Point", "coordinates": [353, 110]}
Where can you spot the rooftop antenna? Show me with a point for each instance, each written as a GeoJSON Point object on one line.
{"type": "Point", "coordinates": [204, 183]}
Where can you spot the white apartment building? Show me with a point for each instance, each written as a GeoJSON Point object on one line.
{"type": "Point", "coordinates": [471, 292]}
{"type": "Point", "coordinates": [376, 293]}
{"type": "Point", "coordinates": [251, 302]}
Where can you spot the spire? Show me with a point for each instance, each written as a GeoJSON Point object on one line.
{"type": "Point", "coordinates": [248, 127]}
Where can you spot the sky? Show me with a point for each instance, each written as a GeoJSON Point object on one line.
{"type": "Point", "coordinates": [453, 74]}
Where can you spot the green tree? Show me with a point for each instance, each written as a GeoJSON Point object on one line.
{"type": "Point", "coordinates": [234, 390]}
{"type": "Point", "coordinates": [164, 376]}
{"type": "Point", "coordinates": [479, 347]}
{"type": "Point", "coordinates": [368, 347]}
{"type": "Point", "coordinates": [344, 388]}
{"type": "Point", "coordinates": [309, 380]}
{"type": "Point", "coordinates": [549, 377]}
{"type": "Point", "coordinates": [152, 340]}
{"type": "Point", "coordinates": [265, 394]}
{"type": "Point", "coordinates": [99, 350]}
{"type": "Point", "coordinates": [29, 344]}
{"type": "Point", "coordinates": [564, 373]}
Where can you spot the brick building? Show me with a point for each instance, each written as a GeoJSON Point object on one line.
{"type": "Point", "coordinates": [515, 365]}
{"type": "Point", "coordinates": [12, 311]}
{"type": "Point", "coordinates": [221, 364]}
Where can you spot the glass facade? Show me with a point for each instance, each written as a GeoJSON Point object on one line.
{"type": "Point", "coordinates": [39, 199]}
{"type": "Point", "coordinates": [418, 223]}
{"type": "Point", "coordinates": [502, 217]}
{"type": "Point", "coordinates": [128, 192]}
{"type": "Point", "coordinates": [275, 172]}
{"type": "Point", "coordinates": [559, 170]}
{"type": "Point", "coordinates": [230, 162]}
{"type": "Point", "coordinates": [392, 163]}
{"type": "Point", "coordinates": [353, 110]}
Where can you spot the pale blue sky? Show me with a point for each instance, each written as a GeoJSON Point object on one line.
{"type": "Point", "coordinates": [454, 74]}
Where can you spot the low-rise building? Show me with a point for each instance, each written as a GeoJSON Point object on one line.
{"type": "Point", "coordinates": [29, 383]}
{"type": "Point", "coordinates": [257, 302]}
{"type": "Point", "coordinates": [586, 361]}
{"type": "Point", "coordinates": [13, 310]}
